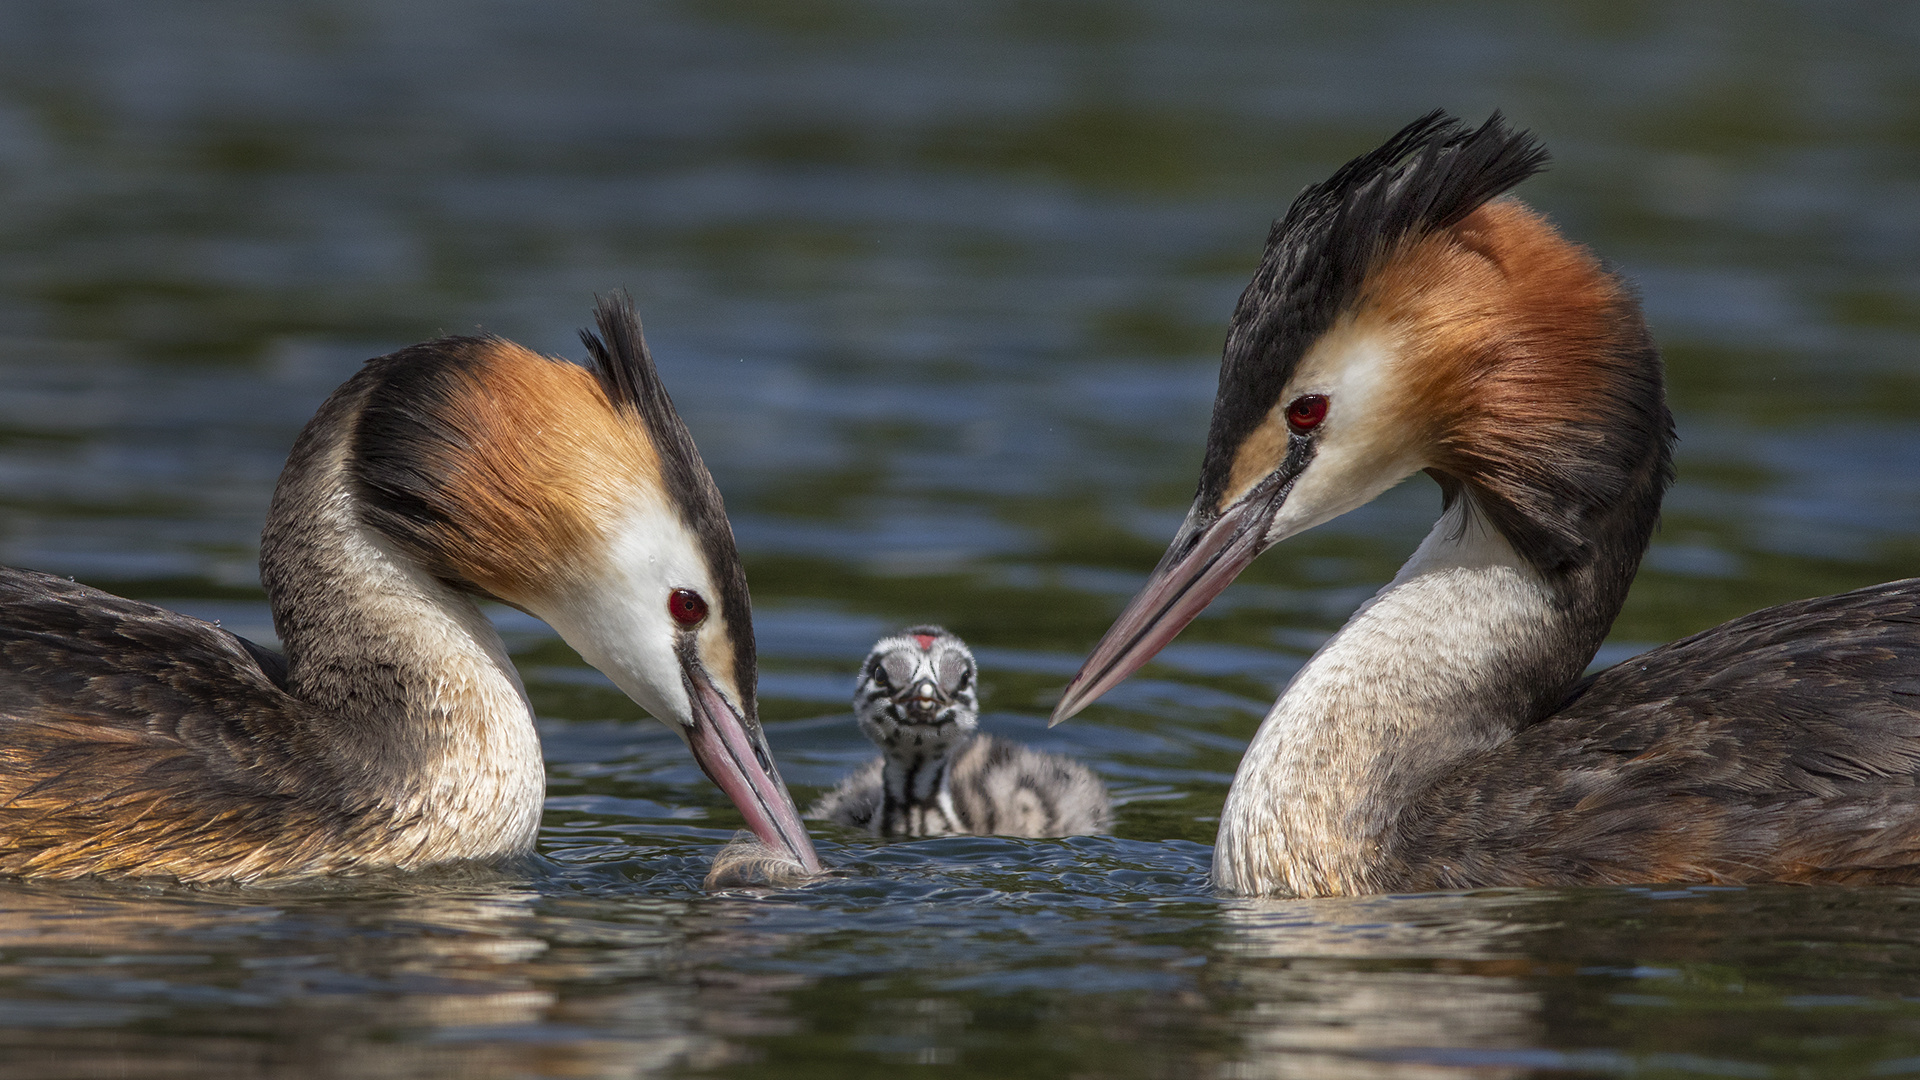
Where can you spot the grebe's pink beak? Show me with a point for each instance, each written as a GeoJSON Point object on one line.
{"type": "Point", "coordinates": [1204, 558]}
{"type": "Point", "coordinates": [735, 757]}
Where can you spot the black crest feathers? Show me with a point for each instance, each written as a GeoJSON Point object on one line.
{"type": "Point", "coordinates": [1428, 176]}
{"type": "Point", "coordinates": [625, 369]}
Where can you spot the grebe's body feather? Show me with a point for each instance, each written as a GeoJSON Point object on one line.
{"type": "Point", "coordinates": [1781, 746]}
{"type": "Point", "coordinates": [126, 726]}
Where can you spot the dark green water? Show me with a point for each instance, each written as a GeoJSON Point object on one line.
{"type": "Point", "coordinates": [940, 289]}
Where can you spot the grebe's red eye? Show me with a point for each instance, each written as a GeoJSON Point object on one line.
{"type": "Point", "coordinates": [687, 607]}
{"type": "Point", "coordinates": [1306, 412]}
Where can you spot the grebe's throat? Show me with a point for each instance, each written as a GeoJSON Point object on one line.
{"type": "Point", "coordinates": [1444, 662]}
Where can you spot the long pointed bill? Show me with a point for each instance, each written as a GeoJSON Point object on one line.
{"type": "Point", "coordinates": [1195, 569]}
{"type": "Point", "coordinates": [738, 763]}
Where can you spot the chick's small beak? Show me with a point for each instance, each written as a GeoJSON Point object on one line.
{"type": "Point", "coordinates": [922, 699]}
{"type": "Point", "coordinates": [736, 760]}
{"type": "Point", "coordinates": [1204, 558]}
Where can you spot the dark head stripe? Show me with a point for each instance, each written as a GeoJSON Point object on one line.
{"type": "Point", "coordinates": [406, 437]}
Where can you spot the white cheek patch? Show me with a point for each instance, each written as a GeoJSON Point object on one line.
{"type": "Point", "coordinates": [616, 617]}
{"type": "Point", "coordinates": [1363, 447]}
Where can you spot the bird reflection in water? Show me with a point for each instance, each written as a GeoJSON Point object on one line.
{"type": "Point", "coordinates": [1378, 987]}
{"type": "Point", "coordinates": [422, 975]}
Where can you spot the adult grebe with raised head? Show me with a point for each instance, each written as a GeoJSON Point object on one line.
{"type": "Point", "coordinates": [395, 733]}
{"type": "Point", "coordinates": [1401, 320]}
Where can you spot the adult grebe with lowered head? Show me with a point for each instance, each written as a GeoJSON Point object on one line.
{"type": "Point", "coordinates": [395, 733]}
{"type": "Point", "coordinates": [1444, 738]}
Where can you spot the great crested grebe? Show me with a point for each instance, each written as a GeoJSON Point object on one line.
{"type": "Point", "coordinates": [395, 733]}
{"type": "Point", "coordinates": [1444, 738]}
{"type": "Point", "coordinates": [918, 700]}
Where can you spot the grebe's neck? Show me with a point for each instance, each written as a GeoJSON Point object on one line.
{"type": "Point", "coordinates": [1466, 644]}
{"type": "Point", "coordinates": [915, 797]}
{"type": "Point", "coordinates": [425, 715]}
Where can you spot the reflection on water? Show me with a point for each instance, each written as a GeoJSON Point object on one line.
{"type": "Point", "coordinates": [1005, 959]}
{"type": "Point", "coordinates": [939, 291]}
{"type": "Point", "coordinates": [1447, 971]}
{"type": "Point", "coordinates": [423, 982]}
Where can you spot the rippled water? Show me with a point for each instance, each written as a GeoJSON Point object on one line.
{"type": "Point", "coordinates": [940, 290]}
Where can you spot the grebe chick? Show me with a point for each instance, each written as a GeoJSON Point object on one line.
{"type": "Point", "coordinates": [1400, 320]}
{"type": "Point", "coordinates": [918, 701]}
{"type": "Point", "coordinates": [395, 733]}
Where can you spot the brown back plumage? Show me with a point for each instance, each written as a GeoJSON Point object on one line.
{"type": "Point", "coordinates": [1781, 746]}
{"type": "Point", "coordinates": [112, 710]}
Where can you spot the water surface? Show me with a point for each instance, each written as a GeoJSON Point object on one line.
{"type": "Point", "coordinates": [940, 290]}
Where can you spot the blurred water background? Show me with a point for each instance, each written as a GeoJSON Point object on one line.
{"type": "Point", "coordinates": [940, 289]}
